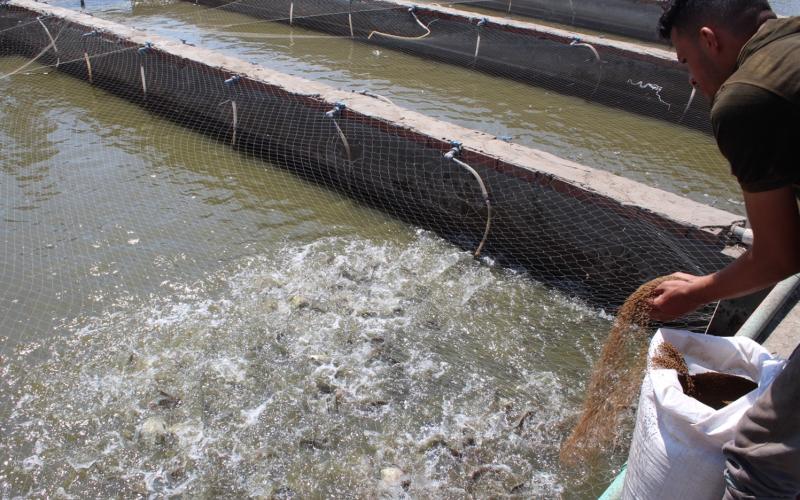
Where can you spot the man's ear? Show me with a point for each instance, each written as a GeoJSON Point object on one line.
{"type": "Point", "coordinates": [710, 40]}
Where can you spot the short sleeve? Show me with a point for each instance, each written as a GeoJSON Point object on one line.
{"type": "Point", "coordinates": [759, 134]}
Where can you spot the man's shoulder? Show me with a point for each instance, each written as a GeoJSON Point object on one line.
{"type": "Point", "coordinates": [773, 65]}
{"type": "Point", "coordinates": [738, 101]}
{"type": "Point", "coordinates": [756, 131]}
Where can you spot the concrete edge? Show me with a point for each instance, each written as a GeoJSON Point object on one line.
{"type": "Point", "coordinates": [626, 192]}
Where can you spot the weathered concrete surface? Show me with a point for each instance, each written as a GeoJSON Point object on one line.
{"type": "Point", "coordinates": [645, 80]}
{"type": "Point", "coordinates": [632, 18]}
{"type": "Point", "coordinates": [588, 232]}
{"type": "Point", "coordinates": [786, 335]}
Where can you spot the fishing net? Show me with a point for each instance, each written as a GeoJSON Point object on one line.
{"type": "Point", "coordinates": [595, 249]}
{"type": "Point", "coordinates": [170, 223]}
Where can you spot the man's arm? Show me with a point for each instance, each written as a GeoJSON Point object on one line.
{"type": "Point", "coordinates": [774, 255]}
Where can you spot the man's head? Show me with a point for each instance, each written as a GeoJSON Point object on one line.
{"type": "Point", "coordinates": [708, 35]}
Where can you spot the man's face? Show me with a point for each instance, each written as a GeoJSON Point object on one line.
{"type": "Point", "coordinates": [702, 70]}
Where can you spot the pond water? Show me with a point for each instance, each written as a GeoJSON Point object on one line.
{"type": "Point", "coordinates": [180, 319]}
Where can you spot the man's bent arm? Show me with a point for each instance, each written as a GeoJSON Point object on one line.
{"type": "Point", "coordinates": [774, 255]}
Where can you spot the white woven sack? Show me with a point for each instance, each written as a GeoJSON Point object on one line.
{"type": "Point", "coordinates": [677, 443]}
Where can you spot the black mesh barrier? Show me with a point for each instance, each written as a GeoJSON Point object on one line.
{"type": "Point", "coordinates": [633, 18]}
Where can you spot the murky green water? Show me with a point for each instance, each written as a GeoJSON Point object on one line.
{"type": "Point", "coordinates": [177, 319]}
{"type": "Point", "coordinates": [663, 155]}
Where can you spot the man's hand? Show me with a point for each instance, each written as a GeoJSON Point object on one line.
{"type": "Point", "coordinates": [675, 298]}
{"type": "Point", "coordinates": [775, 255]}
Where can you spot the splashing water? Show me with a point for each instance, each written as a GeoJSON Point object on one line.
{"type": "Point", "coordinates": [342, 367]}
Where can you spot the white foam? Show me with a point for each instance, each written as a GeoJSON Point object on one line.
{"type": "Point", "coordinates": [251, 416]}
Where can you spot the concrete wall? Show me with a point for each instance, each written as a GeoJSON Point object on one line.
{"type": "Point", "coordinates": [644, 80]}
{"type": "Point", "coordinates": [587, 232]}
{"type": "Point", "coordinates": [633, 18]}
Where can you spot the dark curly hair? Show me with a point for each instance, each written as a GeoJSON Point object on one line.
{"type": "Point", "coordinates": [683, 14]}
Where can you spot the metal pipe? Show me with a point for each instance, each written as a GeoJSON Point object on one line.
{"type": "Point", "coordinates": [744, 234]}
{"type": "Point", "coordinates": [757, 326]}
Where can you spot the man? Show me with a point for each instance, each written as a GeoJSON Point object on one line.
{"type": "Point", "coordinates": [747, 62]}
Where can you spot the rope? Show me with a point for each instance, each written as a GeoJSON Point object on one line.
{"type": "Point", "coordinates": [88, 66]}
{"type": "Point", "coordinates": [376, 96]}
{"type": "Point", "coordinates": [142, 51]}
{"type": "Point", "coordinates": [350, 22]}
{"type": "Point", "coordinates": [451, 155]}
{"type": "Point", "coordinates": [485, 199]}
{"type": "Point", "coordinates": [412, 10]}
{"type": "Point", "coordinates": [229, 83]}
{"type": "Point", "coordinates": [691, 98]}
{"type": "Point", "coordinates": [332, 114]}
{"type": "Point", "coordinates": [344, 141]}
{"type": "Point", "coordinates": [235, 121]}
{"type": "Point", "coordinates": [481, 23]}
{"type": "Point", "coordinates": [86, 55]}
{"type": "Point", "coordinates": [144, 80]}
{"type": "Point", "coordinates": [52, 41]}
{"type": "Point", "coordinates": [577, 43]}
{"type": "Point", "coordinates": [350, 17]}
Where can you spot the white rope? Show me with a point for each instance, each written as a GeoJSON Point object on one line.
{"type": "Point", "coordinates": [52, 41]}
{"type": "Point", "coordinates": [486, 200]}
{"type": "Point", "coordinates": [376, 96]}
{"type": "Point", "coordinates": [576, 43]}
{"type": "Point", "coordinates": [235, 122]}
{"type": "Point", "coordinates": [344, 141]}
{"type": "Point", "coordinates": [691, 98]}
{"type": "Point", "coordinates": [291, 13]}
{"type": "Point", "coordinates": [144, 81]}
{"type": "Point", "coordinates": [88, 66]}
{"type": "Point", "coordinates": [350, 22]}
{"type": "Point", "coordinates": [398, 37]}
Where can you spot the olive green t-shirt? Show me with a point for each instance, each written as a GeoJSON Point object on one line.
{"type": "Point", "coordinates": [759, 133]}
{"type": "Point", "coordinates": [756, 112]}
